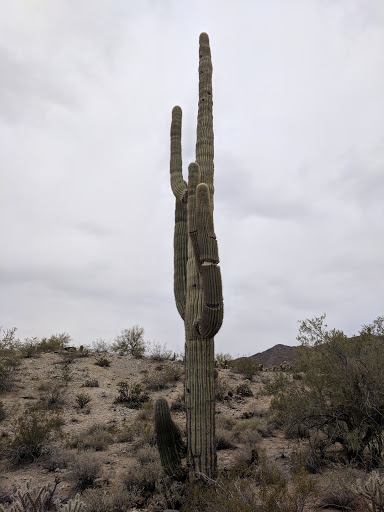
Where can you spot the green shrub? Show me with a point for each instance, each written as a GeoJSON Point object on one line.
{"type": "Point", "coordinates": [278, 383]}
{"type": "Point", "coordinates": [103, 362]}
{"type": "Point", "coordinates": [54, 342]}
{"type": "Point", "coordinates": [32, 435]}
{"type": "Point", "coordinates": [223, 360]}
{"type": "Point", "coordinates": [83, 399]}
{"type": "Point", "coordinates": [130, 342]}
{"type": "Point", "coordinates": [131, 395]}
{"type": "Point", "coordinates": [341, 396]}
{"type": "Point", "coordinates": [247, 367]}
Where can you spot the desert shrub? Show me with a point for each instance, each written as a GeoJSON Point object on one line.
{"type": "Point", "coordinates": [90, 383]}
{"type": "Point", "coordinates": [103, 362]}
{"type": "Point", "coordinates": [130, 342]}
{"type": "Point", "coordinates": [162, 377]}
{"type": "Point", "coordinates": [57, 458]}
{"type": "Point", "coordinates": [159, 352]}
{"type": "Point", "coordinates": [147, 454]}
{"type": "Point", "coordinates": [248, 431]}
{"type": "Point", "coordinates": [225, 422]}
{"type": "Point", "coordinates": [2, 411]}
{"type": "Point", "coordinates": [143, 476]}
{"type": "Point", "coordinates": [221, 388]}
{"type": "Point", "coordinates": [178, 404]}
{"type": "Point", "coordinates": [131, 395]}
{"type": "Point", "coordinates": [31, 437]}
{"type": "Point", "coordinates": [9, 358]}
{"type": "Point", "coordinates": [274, 492]}
{"type": "Point", "coordinates": [29, 347]}
{"type": "Point", "coordinates": [52, 396]}
{"type": "Point", "coordinates": [97, 500]}
{"type": "Point", "coordinates": [372, 490]}
{"type": "Point", "coordinates": [223, 360]}
{"type": "Point", "coordinates": [54, 342]}
{"type": "Point", "coordinates": [247, 367]}
{"type": "Point", "coordinates": [224, 439]}
{"type": "Point", "coordinates": [6, 375]}
{"type": "Point", "coordinates": [97, 437]}
{"type": "Point", "coordinates": [85, 469]}
{"type": "Point", "coordinates": [341, 396]}
{"type": "Point", "coordinates": [83, 399]}
{"type": "Point", "coordinates": [244, 389]}
{"type": "Point", "coordinates": [276, 384]}
{"type": "Point", "coordinates": [100, 346]}
{"type": "Point", "coordinates": [221, 495]}
{"type": "Point", "coordinates": [66, 373]}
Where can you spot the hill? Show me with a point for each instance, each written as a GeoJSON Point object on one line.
{"type": "Point", "coordinates": [274, 355]}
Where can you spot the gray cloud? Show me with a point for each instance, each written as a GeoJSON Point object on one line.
{"type": "Point", "coordinates": [85, 100]}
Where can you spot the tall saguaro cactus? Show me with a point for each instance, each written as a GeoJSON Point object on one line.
{"type": "Point", "coordinates": [197, 278]}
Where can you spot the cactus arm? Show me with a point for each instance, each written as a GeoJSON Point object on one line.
{"type": "Point", "coordinates": [180, 245]}
{"type": "Point", "coordinates": [178, 185]}
{"type": "Point", "coordinates": [203, 238]}
{"type": "Point", "coordinates": [204, 133]}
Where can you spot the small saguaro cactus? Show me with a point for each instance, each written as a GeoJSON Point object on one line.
{"type": "Point", "coordinates": [197, 277]}
{"type": "Point", "coordinates": [169, 442]}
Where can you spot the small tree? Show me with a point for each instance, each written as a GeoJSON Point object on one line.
{"type": "Point", "coordinates": [131, 342]}
{"type": "Point", "coordinates": [341, 395]}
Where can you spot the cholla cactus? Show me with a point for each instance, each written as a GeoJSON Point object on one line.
{"type": "Point", "coordinates": [35, 499]}
{"type": "Point", "coordinates": [197, 277]}
{"type": "Point", "coordinates": [372, 490]}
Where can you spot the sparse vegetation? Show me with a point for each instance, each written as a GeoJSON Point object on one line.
{"type": "Point", "coordinates": [340, 399]}
{"type": "Point", "coordinates": [83, 399]}
{"type": "Point", "coordinates": [131, 395]}
{"type": "Point", "coordinates": [282, 479]}
{"type": "Point", "coordinates": [130, 342]}
{"type": "Point", "coordinates": [103, 362]}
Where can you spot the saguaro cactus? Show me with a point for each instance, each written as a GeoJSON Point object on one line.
{"type": "Point", "coordinates": [197, 278]}
{"type": "Point", "coordinates": [169, 442]}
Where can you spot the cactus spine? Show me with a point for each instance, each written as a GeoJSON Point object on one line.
{"type": "Point", "coordinates": [197, 278]}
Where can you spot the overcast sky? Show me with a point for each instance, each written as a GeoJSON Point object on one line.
{"type": "Point", "coordinates": [86, 93]}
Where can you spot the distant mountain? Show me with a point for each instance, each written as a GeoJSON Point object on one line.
{"type": "Point", "coordinates": [274, 356]}
{"type": "Point", "coordinates": [280, 353]}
